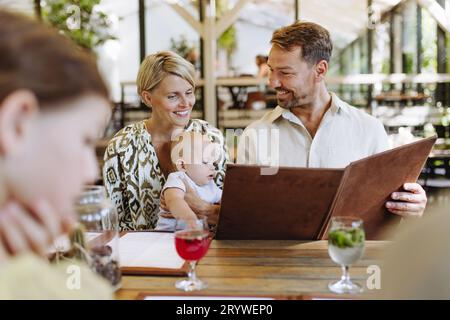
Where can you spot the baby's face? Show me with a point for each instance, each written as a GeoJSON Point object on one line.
{"type": "Point", "coordinates": [201, 174]}
{"type": "Point", "coordinates": [202, 171]}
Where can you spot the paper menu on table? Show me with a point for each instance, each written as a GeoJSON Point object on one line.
{"type": "Point", "coordinates": [149, 250]}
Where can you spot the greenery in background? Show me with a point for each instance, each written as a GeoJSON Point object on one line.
{"type": "Point", "coordinates": [94, 25]}
{"type": "Point", "coordinates": [409, 45]}
{"type": "Point", "coordinates": [181, 46]}
{"type": "Point", "coordinates": [448, 52]}
{"type": "Point", "coordinates": [409, 62]}
{"type": "Point", "coordinates": [429, 46]}
{"type": "Point", "coordinates": [364, 54]}
{"type": "Point", "coordinates": [385, 67]}
{"type": "Point", "coordinates": [429, 43]}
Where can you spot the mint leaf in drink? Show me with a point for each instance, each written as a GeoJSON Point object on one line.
{"type": "Point", "coordinates": [346, 238]}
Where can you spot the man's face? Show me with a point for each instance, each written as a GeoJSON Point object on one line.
{"type": "Point", "coordinates": [291, 77]}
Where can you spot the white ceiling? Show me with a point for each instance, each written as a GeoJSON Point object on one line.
{"type": "Point", "coordinates": [345, 19]}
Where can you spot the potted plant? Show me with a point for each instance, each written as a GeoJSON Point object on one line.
{"type": "Point", "coordinates": [79, 20]}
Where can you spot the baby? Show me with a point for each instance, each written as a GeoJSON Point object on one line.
{"type": "Point", "coordinates": [193, 156]}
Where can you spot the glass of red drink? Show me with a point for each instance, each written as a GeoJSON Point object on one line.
{"type": "Point", "coordinates": [191, 242]}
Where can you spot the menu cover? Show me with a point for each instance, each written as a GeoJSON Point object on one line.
{"type": "Point", "coordinates": [150, 253]}
{"type": "Point", "coordinates": [298, 203]}
{"type": "Point", "coordinates": [290, 205]}
{"type": "Point", "coordinates": [367, 185]}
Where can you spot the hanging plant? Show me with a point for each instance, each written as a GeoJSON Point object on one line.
{"type": "Point", "coordinates": [181, 46]}
{"type": "Point", "coordinates": [78, 20]}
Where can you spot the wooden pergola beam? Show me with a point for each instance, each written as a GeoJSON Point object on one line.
{"type": "Point", "coordinates": [437, 12]}
{"type": "Point", "coordinates": [209, 58]}
{"type": "Point", "coordinates": [229, 17]}
{"type": "Point", "coordinates": [195, 24]}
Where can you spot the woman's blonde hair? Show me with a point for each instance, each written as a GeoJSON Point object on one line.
{"type": "Point", "coordinates": [157, 66]}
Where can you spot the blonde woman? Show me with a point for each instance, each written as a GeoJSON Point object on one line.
{"type": "Point", "coordinates": [137, 159]}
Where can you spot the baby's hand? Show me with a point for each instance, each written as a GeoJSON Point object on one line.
{"type": "Point", "coordinates": [162, 203]}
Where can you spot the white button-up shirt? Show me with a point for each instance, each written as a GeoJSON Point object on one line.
{"type": "Point", "coordinates": [345, 134]}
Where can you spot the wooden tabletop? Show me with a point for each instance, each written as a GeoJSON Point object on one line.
{"type": "Point", "coordinates": [282, 269]}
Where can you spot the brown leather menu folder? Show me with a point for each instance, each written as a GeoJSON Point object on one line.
{"type": "Point", "coordinates": [290, 205]}
{"type": "Point", "coordinates": [368, 183]}
{"type": "Point", "coordinates": [298, 203]}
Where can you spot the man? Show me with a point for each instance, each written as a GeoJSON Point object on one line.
{"type": "Point", "coordinates": [313, 127]}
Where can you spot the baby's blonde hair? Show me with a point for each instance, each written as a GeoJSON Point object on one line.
{"type": "Point", "coordinates": [190, 146]}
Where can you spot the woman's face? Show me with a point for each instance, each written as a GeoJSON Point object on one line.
{"type": "Point", "coordinates": [172, 101]}
{"type": "Point", "coordinates": [57, 154]}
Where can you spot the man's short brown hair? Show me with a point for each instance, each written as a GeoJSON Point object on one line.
{"type": "Point", "coordinates": [313, 39]}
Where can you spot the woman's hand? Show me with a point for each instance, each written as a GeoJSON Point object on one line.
{"type": "Point", "coordinates": [201, 207]}
{"type": "Point", "coordinates": [32, 229]}
{"type": "Point", "coordinates": [413, 202]}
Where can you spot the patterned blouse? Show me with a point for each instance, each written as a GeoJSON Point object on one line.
{"type": "Point", "coordinates": [133, 177]}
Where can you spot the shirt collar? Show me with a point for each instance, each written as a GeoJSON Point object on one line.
{"type": "Point", "coordinates": [337, 104]}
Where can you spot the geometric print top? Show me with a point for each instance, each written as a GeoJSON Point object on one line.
{"type": "Point", "coordinates": [133, 177]}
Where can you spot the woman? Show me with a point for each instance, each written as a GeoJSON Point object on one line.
{"type": "Point", "coordinates": [137, 159]}
{"type": "Point", "coordinates": [53, 105]}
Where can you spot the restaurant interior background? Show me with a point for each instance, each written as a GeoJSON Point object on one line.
{"type": "Point", "coordinates": [390, 58]}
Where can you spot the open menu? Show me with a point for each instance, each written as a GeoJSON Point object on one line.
{"type": "Point", "coordinates": [144, 253]}
{"type": "Point", "coordinates": [298, 203]}
{"type": "Point", "coordinates": [150, 253]}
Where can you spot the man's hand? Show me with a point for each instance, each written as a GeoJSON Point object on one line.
{"type": "Point", "coordinates": [413, 201]}
{"type": "Point", "coordinates": [32, 229]}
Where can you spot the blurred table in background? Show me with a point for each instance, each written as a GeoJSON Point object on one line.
{"type": "Point", "coordinates": [402, 99]}
{"type": "Point", "coordinates": [283, 269]}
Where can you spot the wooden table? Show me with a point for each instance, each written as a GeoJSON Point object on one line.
{"type": "Point", "coordinates": [283, 269]}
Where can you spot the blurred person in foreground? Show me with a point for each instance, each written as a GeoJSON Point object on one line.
{"type": "Point", "coordinates": [53, 106]}
{"type": "Point", "coordinates": [417, 264]}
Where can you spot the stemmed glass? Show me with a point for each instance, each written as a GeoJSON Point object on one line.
{"type": "Point", "coordinates": [191, 242]}
{"type": "Point", "coordinates": [345, 246]}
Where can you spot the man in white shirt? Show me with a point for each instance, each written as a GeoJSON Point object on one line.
{"type": "Point", "coordinates": [312, 127]}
